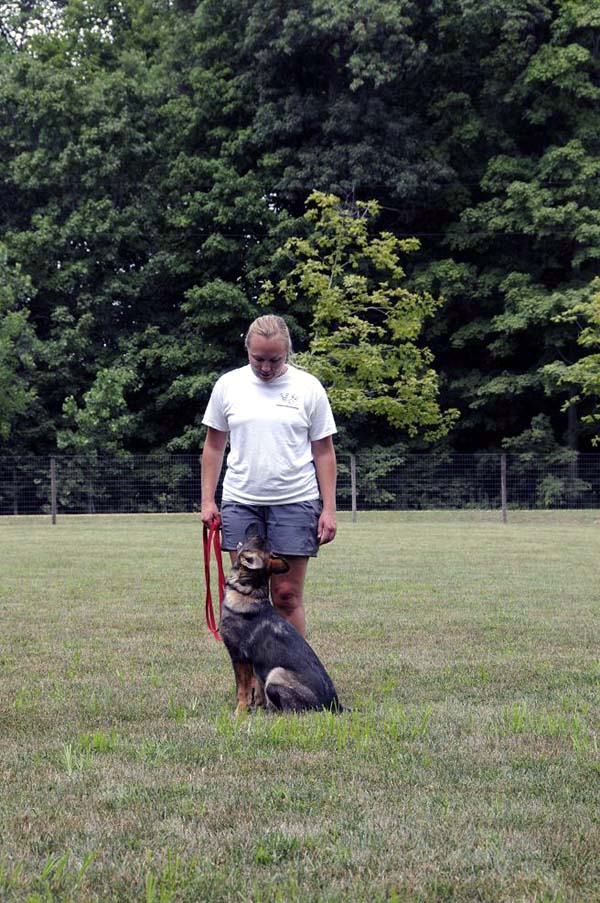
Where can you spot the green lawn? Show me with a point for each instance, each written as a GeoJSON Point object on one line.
{"type": "Point", "coordinates": [469, 768]}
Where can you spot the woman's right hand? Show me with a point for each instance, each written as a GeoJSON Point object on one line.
{"type": "Point", "coordinates": [208, 513]}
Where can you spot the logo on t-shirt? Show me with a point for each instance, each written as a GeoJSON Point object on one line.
{"type": "Point", "coordinates": [288, 400]}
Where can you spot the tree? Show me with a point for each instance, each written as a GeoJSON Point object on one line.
{"type": "Point", "coordinates": [77, 173]}
{"type": "Point", "coordinates": [365, 325]}
{"type": "Point", "coordinates": [334, 90]}
{"type": "Point", "coordinates": [17, 344]}
{"type": "Point", "coordinates": [154, 154]}
{"type": "Point", "coordinates": [126, 202]}
{"type": "Point", "coordinates": [103, 423]}
{"type": "Point", "coordinates": [518, 120]}
{"type": "Point", "coordinates": [583, 377]}
{"type": "Point", "coordinates": [22, 20]}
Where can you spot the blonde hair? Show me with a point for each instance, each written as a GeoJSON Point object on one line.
{"type": "Point", "coordinates": [268, 327]}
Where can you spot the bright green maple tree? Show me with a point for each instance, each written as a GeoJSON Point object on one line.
{"type": "Point", "coordinates": [365, 327]}
{"type": "Point", "coordinates": [583, 376]}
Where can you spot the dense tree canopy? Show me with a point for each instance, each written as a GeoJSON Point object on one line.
{"type": "Point", "coordinates": [155, 155]}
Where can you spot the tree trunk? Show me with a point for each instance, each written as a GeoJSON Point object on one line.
{"type": "Point", "coordinates": [353, 485]}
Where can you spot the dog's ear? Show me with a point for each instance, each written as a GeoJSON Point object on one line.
{"type": "Point", "coordinates": [251, 561]}
{"type": "Point", "coordinates": [278, 565]}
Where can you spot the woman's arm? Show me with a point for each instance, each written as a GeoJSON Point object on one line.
{"type": "Point", "coordinates": [212, 462]}
{"type": "Point", "coordinates": [326, 468]}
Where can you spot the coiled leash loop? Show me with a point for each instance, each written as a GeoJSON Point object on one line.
{"type": "Point", "coordinates": [212, 536]}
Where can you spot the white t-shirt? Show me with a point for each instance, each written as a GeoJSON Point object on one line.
{"type": "Point", "coordinates": [271, 426]}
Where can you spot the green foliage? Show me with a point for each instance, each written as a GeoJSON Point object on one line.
{"type": "Point", "coordinates": [537, 449]}
{"type": "Point", "coordinates": [121, 213]}
{"type": "Point", "coordinates": [584, 375]}
{"type": "Point", "coordinates": [334, 101]}
{"type": "Point", "coordinates": [365, 324]}
{"type": "Point", "coordinates": [376, 465]}
{"type": "Point", "coordinates": [155, 154]}
{"type": "Point", "coordinates": [103, 422]}
{"type": "Point", "coordinates": [538, 443]}
{"type": "Point", "coordinates": [520, 107]}
{"type": "Point", "coordinates": [17, 343]}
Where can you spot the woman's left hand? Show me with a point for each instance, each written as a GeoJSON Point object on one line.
{"type": "Point", "coordinates": [327, 528]}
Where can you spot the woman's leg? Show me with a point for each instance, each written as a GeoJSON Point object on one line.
{"type": "Point", "coordinates": [287, 592]}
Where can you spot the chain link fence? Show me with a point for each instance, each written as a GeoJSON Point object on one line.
{"type": "Point", "coordinates": [373, 480]}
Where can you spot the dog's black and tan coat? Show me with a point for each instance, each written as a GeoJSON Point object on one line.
{"type": "Point", "coordinates": [289, 675]}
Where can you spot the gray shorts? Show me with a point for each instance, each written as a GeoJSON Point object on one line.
{"type": "Point", "coordinates": [289, 529]}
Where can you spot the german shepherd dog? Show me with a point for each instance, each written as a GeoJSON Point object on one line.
{"type": "Point", "coordinates": [289, 675]}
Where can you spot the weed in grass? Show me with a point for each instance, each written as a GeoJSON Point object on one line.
{"type": "Point", "coordinates": [180, 712]}
{"type": "Point", "coordinates": [594, 674]}
{"type": "Point", "coordinates": [57, 880]}
{"type": "Point", "coordinates": [74, 760]}
{"type": "Point", "coordinates": [76, 757]}
{"type": "Point", "coordinates": [155, 751]}
{"type": "Point", "coordinates": [151, 888]}
{"type": "Point", "coordinates": [389, 685]}
{"type": "Point", "coordinates": [54, 870]}
{"type": "Point", "coordinates": [402, 725]}
{"type": "Point", "coordinates": [585, 742]}
{"type": "Point", "coordinates": [276, 848]}
{"type": "Point", "coordinates": [73, 669]}
{"type": "Point", "coordinates": [11, 876]}
{"type": "Point", "coordinates": [155, 679]}
{"type": "Point", "coordinates": [160, 889]}
{"type": "Point", "coordinates": [27, 700]}
{"type": "Point", "coordinates": [98, 742]}
{"type": "Point", "coordinates": [396, 896]}
{"type": "Point", "coordinates": [570, 704]}
{"type": "Point", "coordinates": [520, 719]}
{"type": "Point", "coordinates": [97, 704]}
{"type": "Point", "coordinates": [57, 694]}
{"type": "Point", "coordinates": [175, 879]}
{"type": "Point", "coordinates": [177, 711]}
{"type": "Point", "coordinates": [483, 674]}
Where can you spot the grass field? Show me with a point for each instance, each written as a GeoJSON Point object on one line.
{"type": "Point", "coordinates": [469, 768]}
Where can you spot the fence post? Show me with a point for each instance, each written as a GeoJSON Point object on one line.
{"type": "Point", "coordinates": [353, 485]}
{"type": "Point", "coordinates": [53, 488]}
{"type": "Point", "coordinates": [503, 495]}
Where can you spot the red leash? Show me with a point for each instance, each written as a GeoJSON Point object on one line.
{"type": "Point", "coordinates": [208, 537]}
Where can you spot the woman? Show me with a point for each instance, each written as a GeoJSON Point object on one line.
{"type": "Point", "coordinates": [280, 427]}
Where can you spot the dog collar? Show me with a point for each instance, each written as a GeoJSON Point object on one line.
{"type": "Point", "coordinates": [241, 588]}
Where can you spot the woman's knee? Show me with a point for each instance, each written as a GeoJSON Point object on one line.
{"type": "Point", "coordinates": [287, 598]}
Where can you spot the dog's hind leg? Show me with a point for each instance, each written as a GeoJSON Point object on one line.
{"type": "Point", "coordinates": [259, 693]}
{"type": "Point", "coordinates": [286, 694]}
